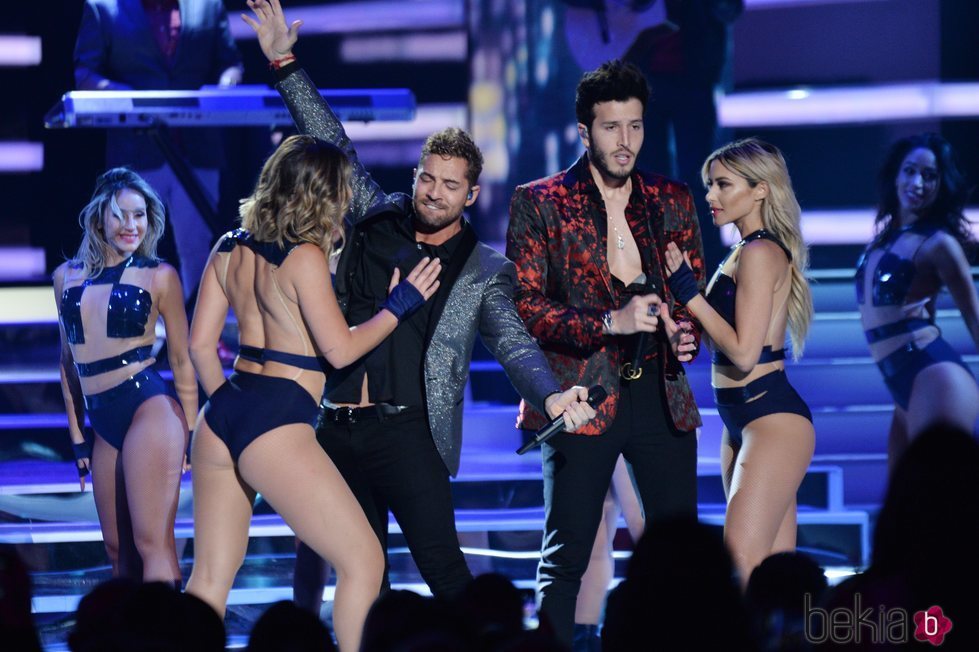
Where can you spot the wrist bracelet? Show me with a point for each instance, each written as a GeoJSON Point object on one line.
{"type": "Point", "coordinates": [275, 64]}
{"type": "Point", "coordinates": [607, 321]}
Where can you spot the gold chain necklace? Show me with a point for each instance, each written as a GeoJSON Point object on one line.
{"type": "Point", "coordinates": [619, 239]}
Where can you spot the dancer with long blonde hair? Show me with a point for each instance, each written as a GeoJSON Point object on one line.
{"type": "Point", "coordinates": [758, 292]}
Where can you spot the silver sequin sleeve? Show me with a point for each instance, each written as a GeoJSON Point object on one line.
{"type": "Point", "coordinates": [506, 336]}
{"type": "Point", "coordinates": [313, 116]}
{"type": "Point", "coordinates": [481, 301]}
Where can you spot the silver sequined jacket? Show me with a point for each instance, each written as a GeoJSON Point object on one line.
{"type": "Point", "coordinates": [481, 299]}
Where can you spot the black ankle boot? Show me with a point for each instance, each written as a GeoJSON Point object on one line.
{"type": "Point", "coordinates": [586, 639]}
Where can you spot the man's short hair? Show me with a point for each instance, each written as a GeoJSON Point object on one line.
{"type": "Point", "coordinates": [455, 142]}
{"type": "Point", "coordinates": [613, 81]}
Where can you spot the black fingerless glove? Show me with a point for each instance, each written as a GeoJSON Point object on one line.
{"type": "Point", "coordinates": [403, 300]}
{"type": "Point", "coordinates": [683, 284]}
{"type": "Point", "coordinates": [82, 451]}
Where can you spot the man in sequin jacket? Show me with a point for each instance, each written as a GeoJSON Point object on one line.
{"type": "Point", "coordinates": [588, 244]}
{"type": "Point", "coordinates": [392, 422]}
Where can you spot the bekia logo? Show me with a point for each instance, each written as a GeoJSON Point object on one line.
{"type": "Point", "coordinates": [931, 625]}
{"type": "Point", "coordinates": [880, 625]}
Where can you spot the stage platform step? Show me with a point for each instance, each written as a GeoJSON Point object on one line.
{"type": "Point", "coordinates": [40, 502]}
{"type": "Point", "coordinates": [499, 517]}
{"type": "Point", "coordinates": [843, 434]}
{"type": "Point", "coordinates": [517, 548]}
{"type": "Point", "coordinates": [523, 519]}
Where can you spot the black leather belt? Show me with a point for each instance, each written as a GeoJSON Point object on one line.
{"type": "Point", "coordinates": [343, 416]}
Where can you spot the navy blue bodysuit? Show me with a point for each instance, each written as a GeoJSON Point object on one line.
{"type": "Point", "coordinates": [249, 405]}
{"type": "Point", "coordinates": [769, 394]}
{"type": "Point", "coordinates": [889, 316]}
{"type": "Point", "coordinates": [111, 412]}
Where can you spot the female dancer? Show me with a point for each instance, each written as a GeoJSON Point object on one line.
{"type": "Point", "coordinates": [918, 249]}
{"type": "Point", "coordinates": [256, 431]}
{"type": "Point", "coordinates": [109, 297]}
{"type": "Point", "coordinates": [757, 292]}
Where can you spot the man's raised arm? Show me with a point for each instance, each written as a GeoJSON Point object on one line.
{"type": "Point", "coordinates": [311, 113]}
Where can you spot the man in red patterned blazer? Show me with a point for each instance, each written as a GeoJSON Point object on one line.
{"type": "Point", "coordinates": [589, 247]}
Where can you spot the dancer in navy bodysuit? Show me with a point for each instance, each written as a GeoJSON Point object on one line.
{"type": "Point", "coordinates": [757, 293]}
{"type": "Point", "coordinates": [109, 297]}
{"type": "Point", "coordinates": [917, 251]}
{"type": "Point", "coordinates": [256, 434]}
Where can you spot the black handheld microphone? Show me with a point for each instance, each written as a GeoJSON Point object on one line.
{"type": "Point", "coordinates": [596, 395]}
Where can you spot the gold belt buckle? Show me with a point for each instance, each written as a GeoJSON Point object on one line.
{"type": "Point", "coordinates": [629, 372]}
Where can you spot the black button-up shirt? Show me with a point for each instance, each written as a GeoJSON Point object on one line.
{"type": "Point", "coordinates": [395, 373]}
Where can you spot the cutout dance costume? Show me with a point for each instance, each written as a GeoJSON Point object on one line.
{"type": "Point", "coordinates": [111, 412]}
{"type": "Point", "coordinates": [228, 244]}
{"type": "Point", "coordinates": [892, 279]}
{"type": "Point", "coordinates": [249, 405]}
{"type": "Point", "coordinates": [769, 394]}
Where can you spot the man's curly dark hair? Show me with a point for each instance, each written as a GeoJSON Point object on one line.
{"type": "Point", "coordinates": [613, 81]}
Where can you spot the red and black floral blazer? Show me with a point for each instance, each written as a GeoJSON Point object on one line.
{"type": "Point", "coordinates": [558, 239]}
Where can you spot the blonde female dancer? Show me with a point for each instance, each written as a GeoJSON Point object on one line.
{"type": "Point", "coordinates": [256, 431]}
{"type": "Point", "coordinates": [109, 298]}
{"type": "Point", "coordinates": [758, 292]}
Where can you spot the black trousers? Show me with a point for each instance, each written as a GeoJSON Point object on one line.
{"type": "Point", "coordinates": [393, 465]}
{"type": "Point", "coordinates": [578, 471]}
